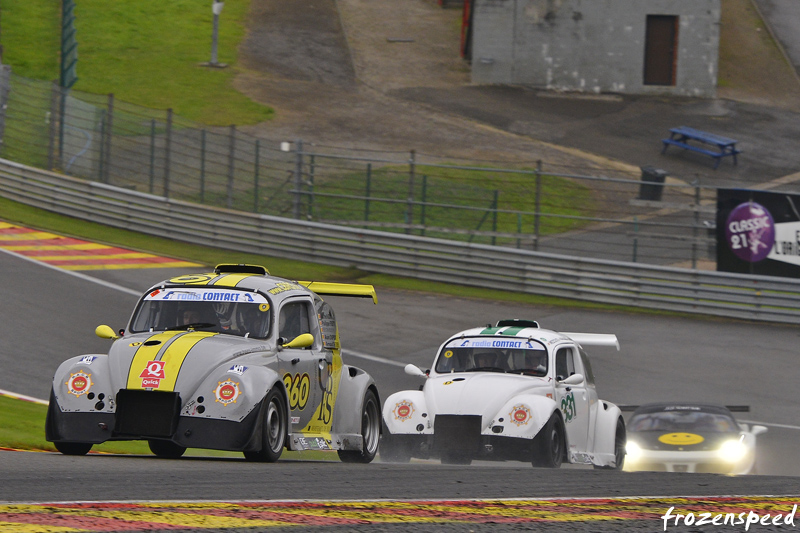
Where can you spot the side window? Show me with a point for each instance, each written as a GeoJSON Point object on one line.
{"type": "Point", "coordinates": [587, 368]}
{"type": "Point", "coordinates": [294, 320]}
{"type": "Point", "coordinates": [565, 364]}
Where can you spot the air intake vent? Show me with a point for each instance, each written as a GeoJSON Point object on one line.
{"type": "Point", "coordinates": [517, 323]}
{"type": "Point", "coordinates": [241, 269]}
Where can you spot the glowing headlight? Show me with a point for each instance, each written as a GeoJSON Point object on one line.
{"type": "Point", "coordinates": [633, 451]}
{"type": "Point", "coordinates": [732, 450]}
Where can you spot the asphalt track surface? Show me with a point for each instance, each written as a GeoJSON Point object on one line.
{"type": "Point", "coordinates": [51, 314]}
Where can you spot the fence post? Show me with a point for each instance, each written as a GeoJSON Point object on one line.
{"type": "Point", "coordinates": [202, 166]}
{"type": "Point", "coordinates": [167, 152]}
{"type": "Point", "coordinates": [54, 119]}
{"type": "Point", "coordinates": [5, 88]}
{"type": "Point", "coordinates": [298, 178]}
{"type": "Point", "coordinates": [411, 171]}
{"type": "Point", "coordinates": [107, 140]}
{"type": "Point", "coordinates": [424, 200]}
{"type": "Point", "coordinates": [696, 224]}
{"type": "Point", "coordinates": [255, 178]}
{"type": "Point", "coordinates": [494, 216]}
{"type": "Point", "coordinates": [101, 160]}
{"type": "Point", "coordinates": [367, 192]}
{"type": "Point", "coordinates": [537, 208]}
{"type": "Point", "coordinates": [152, 154]}
{"type": "Point", "coordinates": [311, 168]}
{"type": "Point", "coordinates": [635, 238]}
{"type": "Point", "coordinates": [231, 164]}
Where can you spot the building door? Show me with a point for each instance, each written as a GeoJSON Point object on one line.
{"type": "Point", "coordinates": [660, 50]}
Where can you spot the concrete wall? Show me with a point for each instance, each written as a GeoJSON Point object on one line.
{"type": "Point", "coordinates": [591, 45]}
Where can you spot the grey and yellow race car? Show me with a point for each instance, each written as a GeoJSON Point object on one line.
{"type": "Point", "coordinates": [234, 360]}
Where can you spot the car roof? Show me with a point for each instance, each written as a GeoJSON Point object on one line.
{"type": "Point", "coordinates": [529, 329]}
{"type": "Point", "coordinates": [663, 407]}
{"type": "Point", "coordinates": [258, 278]}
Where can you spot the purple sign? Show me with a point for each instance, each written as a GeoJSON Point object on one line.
{"type": "Point", "coordinates": [750, 232]}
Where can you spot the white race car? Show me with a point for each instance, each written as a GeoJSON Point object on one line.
{"type": "Point", "coordinates": [509, 392]}
{"type": "Point", "coordinates": [690, 437]}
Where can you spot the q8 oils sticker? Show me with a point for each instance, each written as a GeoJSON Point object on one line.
{"type": "Point", "coordinates": [568, 407]}
{"type": "Point", "coordinates": [298, 387]}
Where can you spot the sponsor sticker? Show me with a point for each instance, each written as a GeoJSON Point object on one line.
{"type": "Point", "coordinates": [403, 410]}
{"type": "Point", "coordinates": [520, 415]}
{"type": "Point", "coordinates": [227, 392]}
{"type": "Point", "coordinates": [79, 383]}
{"type": "Point", "coordinates": [237, 369]}
{"type": "Point", "coordinates": [681, 439]}
{"type": "Point", "coordinates": [152, 374]}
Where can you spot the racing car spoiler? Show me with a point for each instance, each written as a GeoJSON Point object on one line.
{"type": "Point", "coordinates": [594, 339]}
{"type": "Point", "coordinates": [324, 288]}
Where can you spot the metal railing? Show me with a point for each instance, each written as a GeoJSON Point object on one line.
{"type": "Point", "coordinates": [611, 282]}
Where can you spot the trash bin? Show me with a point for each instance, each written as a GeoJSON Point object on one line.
{"type": "Point", "coordinates": [652, 183]}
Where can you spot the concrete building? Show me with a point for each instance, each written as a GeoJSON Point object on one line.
{"type": "Point", "coordinates": [598, 46]}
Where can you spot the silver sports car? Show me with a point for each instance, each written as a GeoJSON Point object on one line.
{"type": "Point", "coordinates": [234, 360]}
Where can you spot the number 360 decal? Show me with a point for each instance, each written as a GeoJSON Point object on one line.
{"type": "Point", "coordinates": [298, 387]}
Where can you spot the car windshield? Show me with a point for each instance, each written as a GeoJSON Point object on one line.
{"type": "Point", "coordinates": [234, 312]}
{"type": "Point", "coordinates": [489, 354]}
{"type": "Point", "coordinates": [682, 421]}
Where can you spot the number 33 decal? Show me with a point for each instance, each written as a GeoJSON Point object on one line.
{"type": "Point", "coordinates": [568, 407]}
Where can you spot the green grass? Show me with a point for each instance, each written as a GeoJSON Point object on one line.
{"type": "Point", "coordinates": [144, 52]}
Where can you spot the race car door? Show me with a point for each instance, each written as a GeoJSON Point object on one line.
{"type": "Point", "coordinates": [299, 366]}
{"type": "Point", "coordinates": [573, 401]}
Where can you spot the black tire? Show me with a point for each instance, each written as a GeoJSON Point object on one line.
{"type": "Point", "coordinates": [456, 458]}
{"type": "Point", "coordinates": [273, 429]}
{"type": "Point", "coordinates": [394, 449]}
{"type": "Point", "coordinates": [370, 432]}
{"type": "Point", "coordinates": [620, 440]}
{"type": "Point", "coordinates": [549, 444]}
{"type": "Point", "coordinates": [73, 448]}
{"type": "Point", "coordinates": [166, 449]}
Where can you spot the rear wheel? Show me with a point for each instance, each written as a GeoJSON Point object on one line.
{"type": "Point", "coordinates": [166, 449]}
{"type": "Point", "coordinates": [549, 444]}
{"type": "Point", "coordinates": [620, 440]}
{"type": "Point", "coordinates": [370, 432]}
{"type": "Point", "coordinates": [273, 429]}
{"type": "Point", "coordinates": [73, 448]}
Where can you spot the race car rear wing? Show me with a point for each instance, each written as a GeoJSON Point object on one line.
{"type": "Point", "coordinates": [324, 288]}
{"type": "Point", "coordinates": [594, 339]}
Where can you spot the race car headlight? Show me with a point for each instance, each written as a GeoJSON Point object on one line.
{"type": "Point", "coordinates": [633, 451]}
{"type": "Point", "coordinates": [732, 450]}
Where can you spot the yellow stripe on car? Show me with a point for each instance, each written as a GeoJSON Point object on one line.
{"type": "Point", "coordinates": [172, 358]}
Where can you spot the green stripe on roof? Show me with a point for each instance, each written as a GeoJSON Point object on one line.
{"type": "Point", "coordinates": [512, 331]}
{"type": "Point", "coordinates": [490, 331]}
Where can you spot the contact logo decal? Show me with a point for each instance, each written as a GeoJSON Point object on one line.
{"type": "Point", "coordinates": [227, 392]}
{"type": "Point", "coordinates": [79, 383]}
{"type": "Point", "coordinates": [645, 514]}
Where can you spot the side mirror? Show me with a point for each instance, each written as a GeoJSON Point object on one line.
{"type": "Point", "coordinates": [301, 341]}
{"type": "Point", "coordinates": [105, 332]}
{"type": "Point", "coordinates": [574, 379]}
{"type": "Point", "coordinates": [414, 370]}
{"type": "Point", "coordinates": [758, 430]}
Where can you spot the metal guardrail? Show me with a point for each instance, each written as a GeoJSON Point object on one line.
{"type": "Point", "coordinates": [741, 296]}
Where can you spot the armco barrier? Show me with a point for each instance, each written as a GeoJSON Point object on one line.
{"type": "Point", "coordinates": [632, 284]}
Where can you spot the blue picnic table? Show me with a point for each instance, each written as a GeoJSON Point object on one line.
{"type": "Point", "coordinates": [712, 145]}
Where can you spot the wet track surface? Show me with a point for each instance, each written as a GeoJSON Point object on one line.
{"type": "Point", "coordinates": [51, 315]}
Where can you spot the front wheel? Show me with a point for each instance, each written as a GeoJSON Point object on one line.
{"type": "Point", "coordinates": [73, 448]}
{"type": "Point", "coordinates": [549, 444]}
{"type": "Point", "coordinates": [166, 449]}
{"type": "Point", "coordinates": [273, 429]}
{"type": "Point", "coordinates": [370, 432]}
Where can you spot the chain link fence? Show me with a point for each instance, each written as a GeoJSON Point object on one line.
{"type": "Point", "coordinates": [530, 205]}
